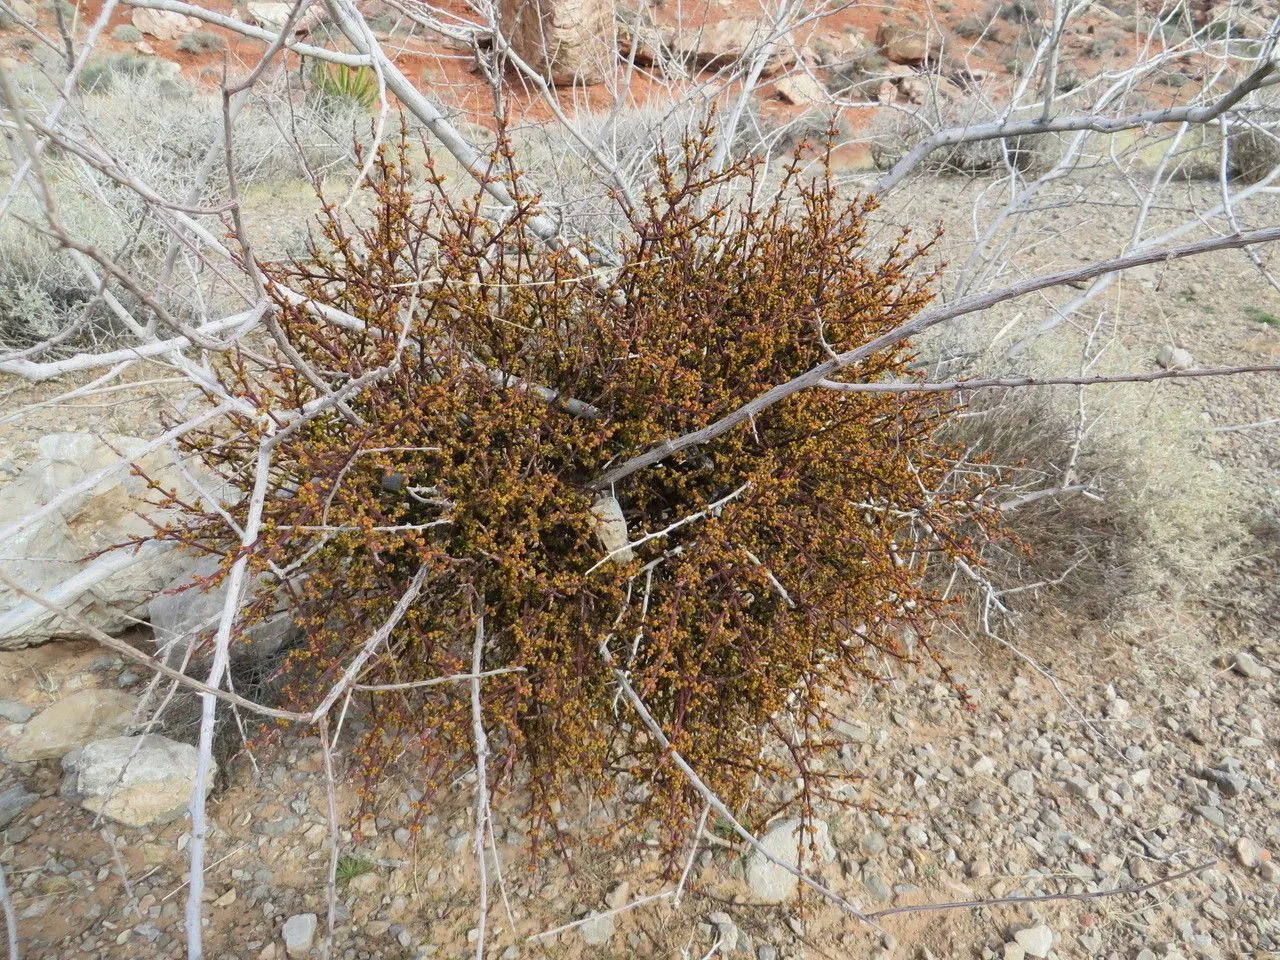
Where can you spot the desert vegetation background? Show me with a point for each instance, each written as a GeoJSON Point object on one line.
{"type": "Point", "coordinates": [557, 478]}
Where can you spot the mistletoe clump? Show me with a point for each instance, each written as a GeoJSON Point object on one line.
{"type": "Point", "coordinates": [481, 381]}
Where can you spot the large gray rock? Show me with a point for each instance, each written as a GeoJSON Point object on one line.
{"type": "Point", "coordinates": [183, 612]}
{"type": "Point", "coordinates": [64, 555]}
{"type": "Point", "coordinates": [771, 883]}
{"type": "Point", "coordinates": [137, 781]}
{"type": "Point", "coordinates": [73, 721]}
{"type": "Point", "coordinates": [163, 24]}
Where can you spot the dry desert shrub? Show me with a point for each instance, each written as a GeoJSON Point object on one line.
{"type": "Point", "coordinates": [1154, 525]}
{"type": "Point", "coordinates": [159, 129]}
{"type": "Point", "coordinates": [894, 133]}
{"type": "Point", "coordinates": [498, 380]}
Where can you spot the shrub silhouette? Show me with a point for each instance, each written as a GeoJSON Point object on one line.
{"type": "Point", "coordinates": [498, 378]}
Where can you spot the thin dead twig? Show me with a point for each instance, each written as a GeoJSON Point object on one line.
{"type": "Point", "coordinates": [482, 776]}
{"type": "Point", "coordinates": [1043, 898]}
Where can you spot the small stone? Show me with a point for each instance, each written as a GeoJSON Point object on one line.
{"type": "Point", "coordinates": [618, 897]}
{"type": "Point", "coordinates": [801, 89]}
{"type": "Point", "coordinates": [1212, 814]}
{"type": "Point", "coordinates": [1119, 709]}
{"type": "Point", "coordinates": [611, 530]}
{"type": "Point", "coordinates": [767, 952]}
{"type": "Point", "coordinates": [1250, 668]}
{"type": "Point", "coordinates": [916, 836]}
{"type": "Point", "coordinates": [227, 899]}
{"type": "Point", "coordinates": [1013, 951]}
{"type": "Point", "coordinates": [15, 712]}
{"type": "Point", "coordinates": [1230, 784]}
{"type": "Point", "coordinates": [772, 883]}
{"type": "Point", "coordinates": [299, 934]}
{"type": "Point", "coordinates": [872, 844]}
{"type": "Point", "coordinates": [73, 721]}
{"type": "Point", "coordinates": [984, 766]}
{"type": "Point", "coordinates": [1175, 358]}
{"type": "Point", "coordinates": [1022, 782]}
{"type": "Point", "coordinates": [1248, 853]}
{"type": "Point", "coordinates": [1269, 871]}
{"type": "Point", "coordinates": [1037, 941]}
{"type": "Point", "coordinates": [854, 730]}
{"type": "Point", "coordinates": [14, 801]}
{"type": "Point", "coordinates": [402, 836]}
{"type": "Point", "coordinates": [726, 931]}
{"type": "Point", "coordinates": [1082, 788]}
{"type": "Point", "coordinates": [878, 889]}
{"type": "Point", "coordinates": [597, 930]}
{"type": "Point", "coordinates": [137, 781]}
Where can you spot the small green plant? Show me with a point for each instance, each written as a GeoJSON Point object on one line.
{"type": "Point", "coordinates": [99, 76]}
{"type": "Point", "coordinates": [202, 41]}
{"type": "Point", "coordinates": [350, 867]}
{"type": "Point", "coordinates": [970, 27]}
{"type": "Point", "coordinates": [1099, 48]}
{"type": "Point", "coordinates": [1259, 315]}
{"type": "Point", "coordinates": [1255, 153]}
{"type": "Point", "coordinates": [722, 828]}
{"type": "Point", "coordinates": [126, 33]}
{"type": "Point", "coordinates": [1018, 11]}
{"type": "Point", "coordinates": [343, 84]}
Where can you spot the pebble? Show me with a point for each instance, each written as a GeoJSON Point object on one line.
{"type": "Point", "coordinates": [1248, 853]}
{"type": "Point", "coordinates": [15, 712]}
{"type": "Point", "coordinates": [226, 899]}
{"type": "Point", "coordinates": [1250, 668]}
{"type": "Point", "coordinates": [299, 933]}
{"type": "Point", "coordinates": [1212, 814]}
{"type": "Point", "coordinates": [726, 931]}
{"type": "Point", "coordinates": [619, 896]}
{"type": "Point", "coordinates": [1022, 782]}
{"type": "Point", "coordinates": [872, 844]}
{"type": "Point", "coordinates": [1174, 358]}
{"type": "Point", "coordinates": [1037, 941]}
{"type": "Point", "coordinates": [14, 801]}
{"type": "Point", "coordinates": [598, 930]}
{"type": "Point", "coordinates": [877, 888]}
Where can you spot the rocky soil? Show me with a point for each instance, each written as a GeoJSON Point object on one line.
{"type": "Point", "coordinates": [1130, 778]}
